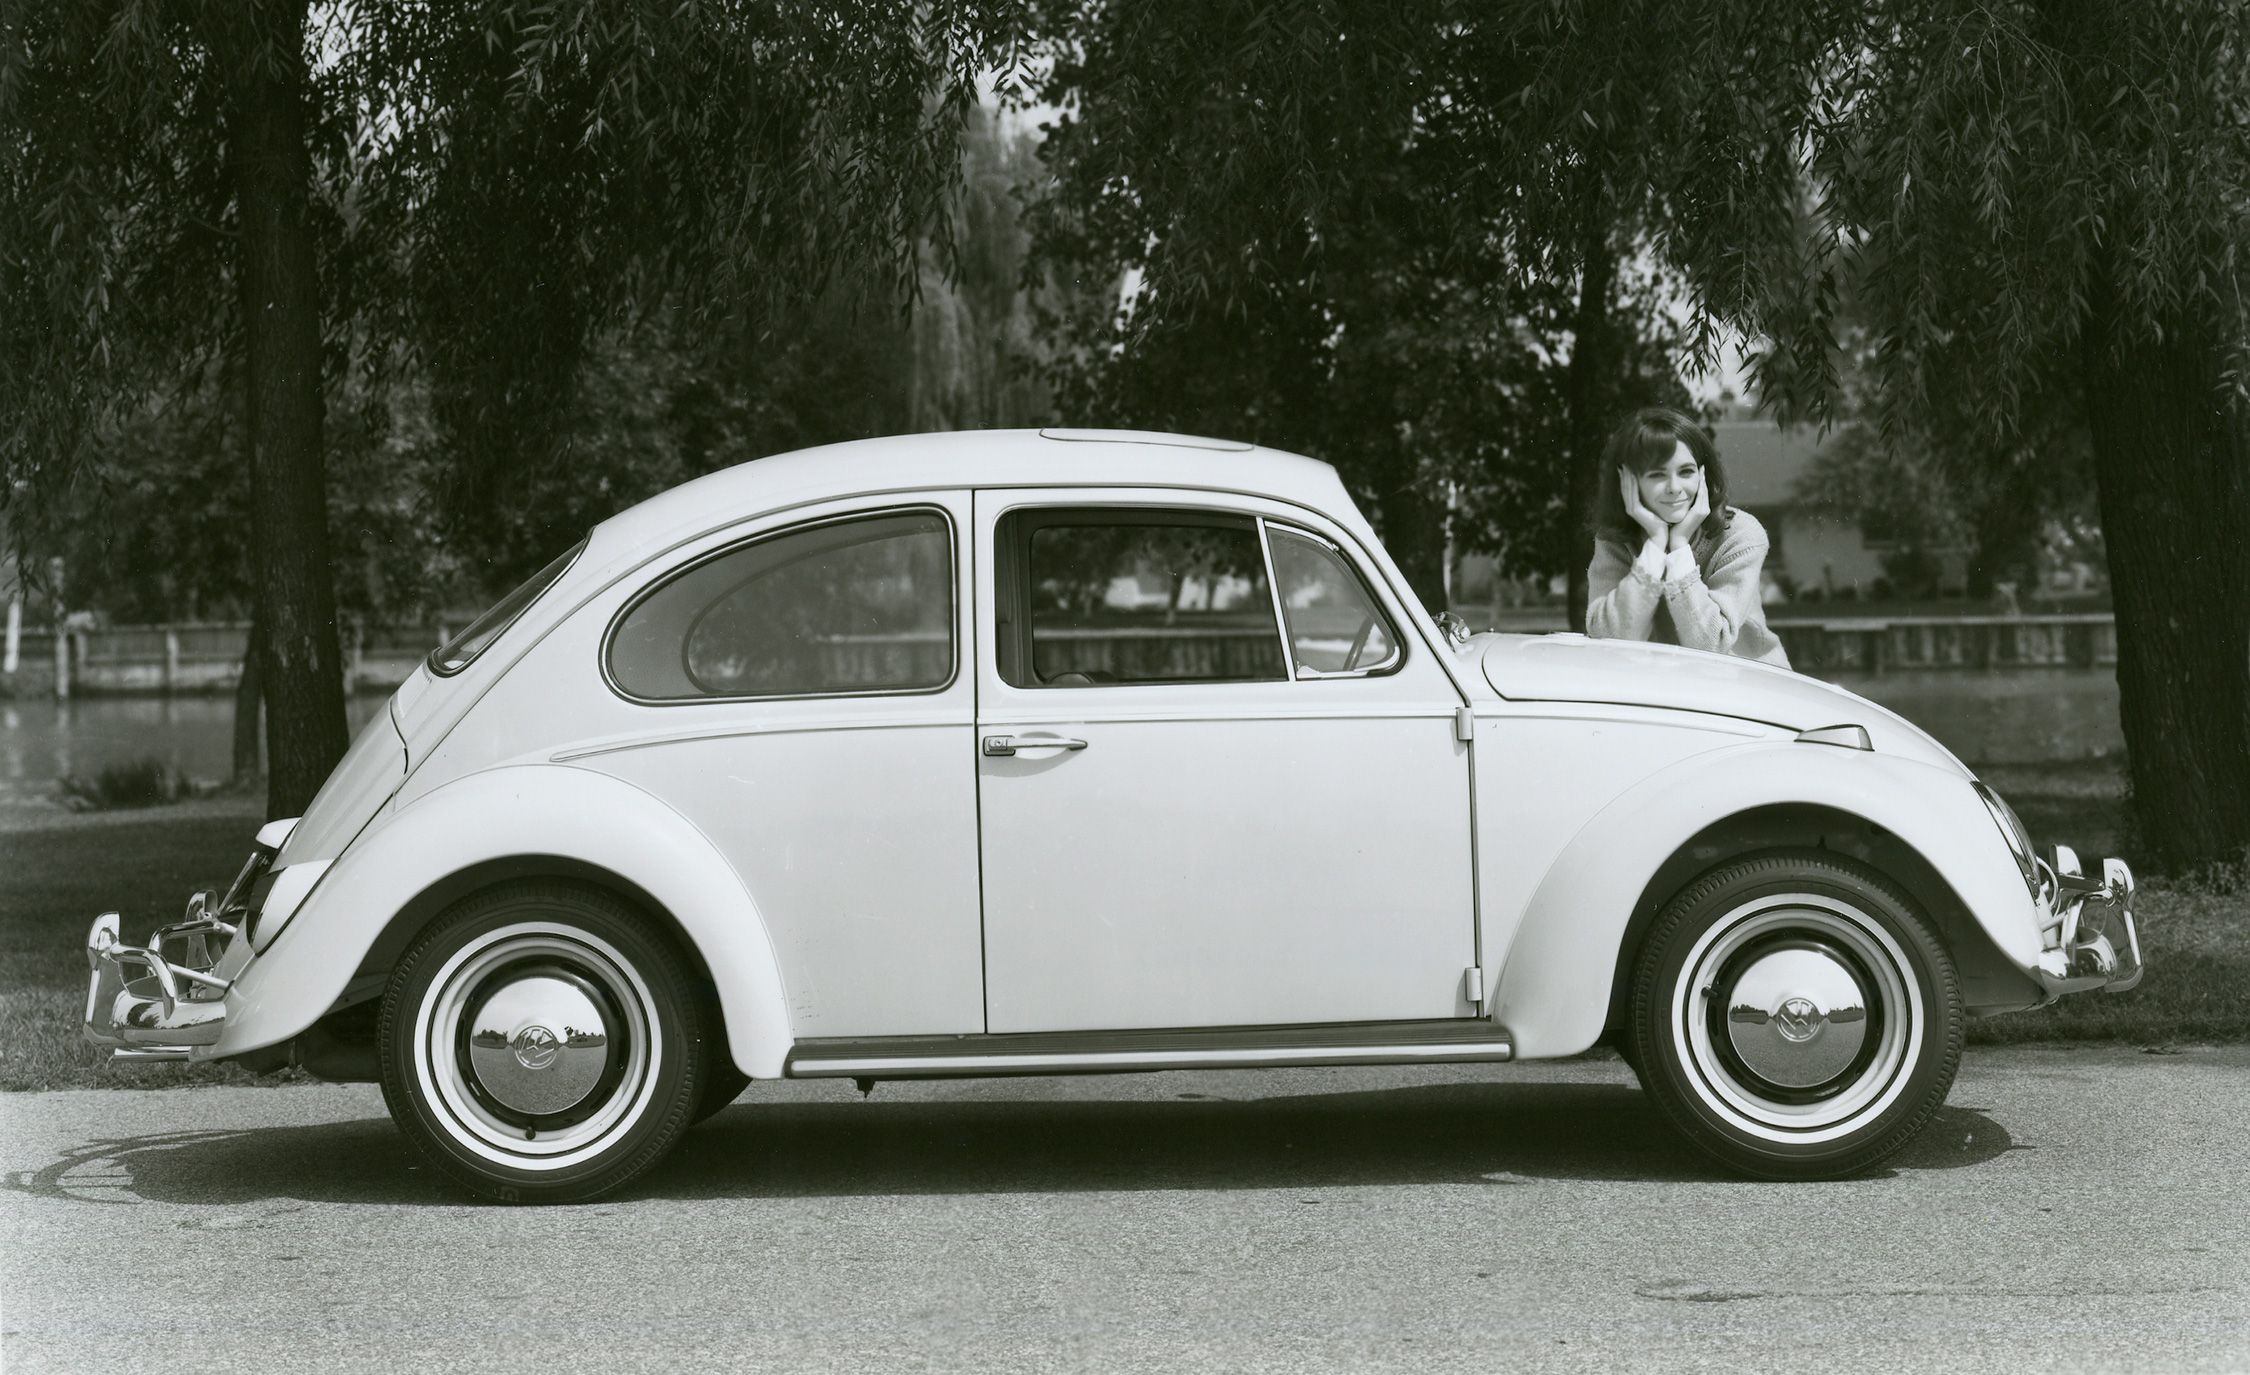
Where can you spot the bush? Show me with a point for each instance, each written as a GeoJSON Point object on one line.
{"type": "Point", "coordinates": [134, 783]}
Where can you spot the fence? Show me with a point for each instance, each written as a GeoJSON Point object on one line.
{"type": "Point", "coordinates": [200, 657]}
{"type": "Point", "coordinates": [207, 657]}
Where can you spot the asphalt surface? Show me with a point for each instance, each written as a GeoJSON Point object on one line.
{"type": "Point", "coordinates": [2071, 1209]}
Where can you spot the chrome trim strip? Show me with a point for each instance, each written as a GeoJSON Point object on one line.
{"type": "Point", "coordinates": [1065, 1062]}
{"type": "Point", "coordinates": [1273, 593]}
{"type": "Point", "coordinates": [943, 718]}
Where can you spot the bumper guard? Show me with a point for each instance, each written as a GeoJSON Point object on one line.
{"type": "Point", "coordinates": [2086, 927]}
{"type": "Point", "coordinates": [175, 1004]}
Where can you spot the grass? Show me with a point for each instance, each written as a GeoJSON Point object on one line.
{"type": "Point", "coordinates": [61, 869]}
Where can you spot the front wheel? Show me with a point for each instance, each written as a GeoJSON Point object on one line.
{"type": "Point", "coordinates": [540, 1043]}
{"type": "Point", "coordinates": [1795, 1017]}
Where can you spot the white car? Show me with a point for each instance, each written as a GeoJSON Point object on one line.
{"type": "Point", "coordinates": [1069, 752]}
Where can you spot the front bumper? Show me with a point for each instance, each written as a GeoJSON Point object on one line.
{"type": "Point", "coordinates": [2087, 937]}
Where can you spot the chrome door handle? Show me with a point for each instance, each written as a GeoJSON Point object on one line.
{"type": "Point", "coordinates": [1006, 746]}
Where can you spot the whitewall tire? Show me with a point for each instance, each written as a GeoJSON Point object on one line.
{"type": "Point", "coordinates": [541, 1043]}
{"type": "Point", "coordinates": [1796, 1016]}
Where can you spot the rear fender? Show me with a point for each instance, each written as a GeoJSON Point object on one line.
{"type": "Point", "coordinates": [1555, 989]}
{"type": "Point", "coordinates": [494, 820]}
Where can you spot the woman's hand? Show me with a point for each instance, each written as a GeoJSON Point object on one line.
{"type": "Point", "coordinates": [1651, 523]}
{"type": "Point", "coordinates": [1697, 512]}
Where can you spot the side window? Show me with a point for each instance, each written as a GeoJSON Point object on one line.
{"type": "Point", "coordinates": [1335, 624]}
{"type": "Point", "coordinates": [848, 606]}
{"type": "Point", "coordinates": [1109, 597]}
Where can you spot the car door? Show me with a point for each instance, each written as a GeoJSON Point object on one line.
{"type": "Point", "coordinates": [1206, 801]}
{"type": "Point", "coordinates": [799, 691]}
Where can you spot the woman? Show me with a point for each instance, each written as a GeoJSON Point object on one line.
{"type": "Point", "coordinates": [1673, 563]}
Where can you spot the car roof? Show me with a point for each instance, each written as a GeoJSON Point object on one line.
{"type": "Point", "coordinates": [974, 458]}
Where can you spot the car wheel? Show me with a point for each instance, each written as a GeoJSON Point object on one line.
{"type": "Point", "coordinates": [1795, 1016]}
{"type": "Point", "coordinates": [540, 1043]}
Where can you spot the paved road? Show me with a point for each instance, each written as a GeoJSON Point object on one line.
{"type": "Point", "coordinates": [2070, 1210]}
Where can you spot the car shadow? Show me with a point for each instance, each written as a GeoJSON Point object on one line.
{"type": "Point", "coordinates": [1500, 1135]}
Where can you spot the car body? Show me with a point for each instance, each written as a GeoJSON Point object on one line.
{"type": "Point", "coordinates": [1074, 751]}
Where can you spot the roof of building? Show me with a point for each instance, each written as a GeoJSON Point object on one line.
{"type": "Point", "coordinates": [1764, 460]}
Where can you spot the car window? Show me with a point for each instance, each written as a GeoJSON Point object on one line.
{"type": "Point", "coordinates": [858, 605]}
{"type": "Point", "coordinates": [1335, 625]}
{"type": "Point", "coordinates": [1110, 597]}
{"type": "Point", "coordinates": [460, 651]}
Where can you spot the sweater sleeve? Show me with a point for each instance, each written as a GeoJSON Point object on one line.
{"type": "Point", "coordinates": [1621, 594]}
{"type": "Point", "coordinates": [1710, 609]}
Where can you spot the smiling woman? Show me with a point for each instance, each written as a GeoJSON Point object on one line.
{"type": "Point", "coordinates": [1673, 563]}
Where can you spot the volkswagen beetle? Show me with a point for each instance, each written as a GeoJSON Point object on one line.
{"type": "Point", "coordinates": [1089, 751]}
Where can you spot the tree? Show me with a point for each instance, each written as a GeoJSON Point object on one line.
{"type": "Point", "coordinates": [489, 184]}
{"type": "Point", "coordinates": [1418, 240]}
{"type": "Point", "coordinates": [2043, 204]}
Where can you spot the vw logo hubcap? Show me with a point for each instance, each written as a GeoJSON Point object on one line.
{"type": "Point", "coordinates": [537, 1048]}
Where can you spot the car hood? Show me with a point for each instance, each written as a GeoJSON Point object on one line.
{"type": "Point", "coordinates": [1573, 668]}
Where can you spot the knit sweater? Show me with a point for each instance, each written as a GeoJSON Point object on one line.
{"type": "Point", "coordinates": [1704, 596]}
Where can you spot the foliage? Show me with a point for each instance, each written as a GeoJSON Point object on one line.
{"type": "Point", "coordinates": [1357, 232]}
{"type": "Point", "coordinates": [144, 782]}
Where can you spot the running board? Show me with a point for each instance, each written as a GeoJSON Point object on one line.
{"type": "Point", "coordinates": [1118, 1052]}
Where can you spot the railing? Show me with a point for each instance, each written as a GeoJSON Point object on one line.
{"type": "Point", "coordinates": [199, 657]}
{"type": "Point", "coordinates": [207, 656]}
{"type": "Point", "coordinates": [1880, 644]}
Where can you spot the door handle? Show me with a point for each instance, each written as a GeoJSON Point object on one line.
{"type": "Point", "coordinates": [1007, 746]}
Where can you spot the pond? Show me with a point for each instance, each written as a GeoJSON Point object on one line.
{"type": "Point", "coordinates": [2017, 717]}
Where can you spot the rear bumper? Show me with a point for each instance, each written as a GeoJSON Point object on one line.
{"type": "Point", "coordinates": [160, 1001]}
{"type": "Point", "coordinates": [2087, 937]}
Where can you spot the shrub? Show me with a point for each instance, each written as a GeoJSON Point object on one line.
{"type": "Point", "coordinates": [141, 782]}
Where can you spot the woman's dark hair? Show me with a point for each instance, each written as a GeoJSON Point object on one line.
{"type": "Point", "coordinates": [1646, 441]}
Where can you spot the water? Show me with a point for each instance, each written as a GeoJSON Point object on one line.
{"type": "Point", "coordinates": [42, 739]}
{"type": "Point", "coordinates": [2021, 717]}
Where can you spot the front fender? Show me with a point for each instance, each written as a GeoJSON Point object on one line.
{"type": "Point", "coordinates": [1554, 989]}
{"type": "Point", "coordinates": [535, 809]}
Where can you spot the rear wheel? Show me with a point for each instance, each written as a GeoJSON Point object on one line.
{"type": "Point", "coordinates": [540, 1043]}
{"type": "Point", "coordinates": [1795, 1016]}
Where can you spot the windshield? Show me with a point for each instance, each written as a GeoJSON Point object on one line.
{"type": "Point", "coordinates": [457, 653]}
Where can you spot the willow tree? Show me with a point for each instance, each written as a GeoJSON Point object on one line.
{"type": "Point", "coordinates": [2044, 206]}
{"type": "Point", "coordinates": [466, 191]}
{"type": "Point", "coordinates": [1418, 239]}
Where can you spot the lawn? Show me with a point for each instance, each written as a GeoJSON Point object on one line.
{"type": "Point", "coordinates": [61, 869]}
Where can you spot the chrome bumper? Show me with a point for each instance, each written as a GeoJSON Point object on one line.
{"type": "Point", "coordinates": [174, 1005]}
{"type": "Point", "coordinates": [2087, 936]}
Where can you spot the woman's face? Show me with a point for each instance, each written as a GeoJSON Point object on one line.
{"type": "Point", "coordinates": [1669, 488]}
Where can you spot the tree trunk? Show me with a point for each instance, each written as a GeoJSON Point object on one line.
{"type": "Point", "coordinates": [249, 703]}
{"type": "Point", "coordinates": [303, 683]}
{"type": "Point", "coordinates": [1592, 357]}
{"type": "Point", "coordinates": [2172, 467]}
{"type": "Point", "coordinates": [2005, 526]}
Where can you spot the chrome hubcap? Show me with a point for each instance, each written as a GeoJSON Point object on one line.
{"type": "Point", "coordinates": [539, 1041]}
{"type": "Point", "coordinates": [1796, 1018]}
{"type": "Point", "coordinates": [537, 1044]}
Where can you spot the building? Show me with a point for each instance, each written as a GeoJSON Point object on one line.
{"type": "Point", "coordinates": [1812, 548]}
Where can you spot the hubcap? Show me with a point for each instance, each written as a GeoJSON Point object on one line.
{"type": "Point", "coordinates": [538, 1044]}
{"type": "Point", "coordinates": [1796, 1018]}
